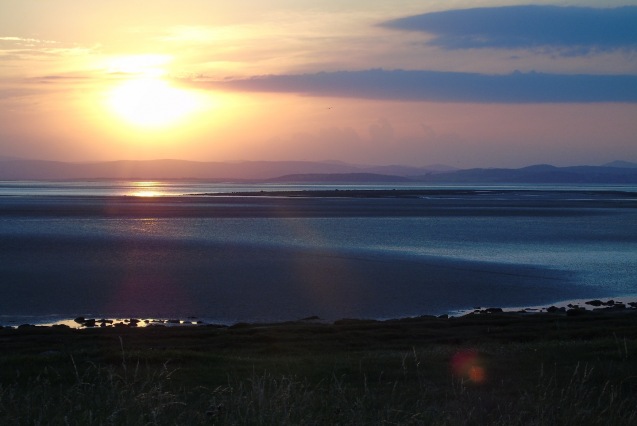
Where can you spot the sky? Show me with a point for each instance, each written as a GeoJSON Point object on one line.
{"type": "Point", "coordinates": [465, 83]}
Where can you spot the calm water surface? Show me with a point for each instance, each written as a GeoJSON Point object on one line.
{"type": "Point", "coordinates": [167, 188]}
{"type": "Point", "coordinates": [253, 267]}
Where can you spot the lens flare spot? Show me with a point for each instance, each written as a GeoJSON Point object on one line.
{"type": "Point", "coordinates": [468, 365]}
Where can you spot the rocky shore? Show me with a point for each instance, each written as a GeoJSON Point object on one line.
{"type": "Point", "coordinates": [591, 308]}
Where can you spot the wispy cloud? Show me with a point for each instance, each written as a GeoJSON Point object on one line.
{"type": "Point", "coordinates": [439, 86]}
{"type": "Point", "coordinates": [22, 41]}
{"type": "Point", "coordinates": [569, 30]}
{"type": "Point", "coordinates": [15, 48]}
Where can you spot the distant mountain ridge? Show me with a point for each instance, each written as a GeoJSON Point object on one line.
{"type": "Point", "coordinates": [616, 172]}
{"type": "Point", "coordinates": [20, 169]}
{"type": "Point", "coordinates": [623, 164]}
{"type": "Point", "coordinates": [339, 177]}
{"type": "Point", "coordinates": [540, 174]}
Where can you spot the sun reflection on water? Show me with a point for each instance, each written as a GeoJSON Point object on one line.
{"type": "Point", "coordinates": [146, 189]}
{"type": "Point", "coordinates": [82, 323]}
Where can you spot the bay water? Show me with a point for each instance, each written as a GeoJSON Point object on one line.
{"type": "Point", "coordinates": [61, 258]}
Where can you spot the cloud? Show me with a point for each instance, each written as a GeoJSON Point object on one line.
{"type": "Point", "coordinates": [438, 86]}
{"type": "Point", "coordinates": [572, 30]}
{"type": "Point", "coordinates": [16, 48]}
{"type": "Point", "coordinates": [21, 41]}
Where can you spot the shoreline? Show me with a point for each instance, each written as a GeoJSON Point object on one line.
{"type": "Point", "coordinates": [615, 305]}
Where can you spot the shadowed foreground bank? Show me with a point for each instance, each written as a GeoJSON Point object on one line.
{"type": "Point", "coordinates": [477, 369]}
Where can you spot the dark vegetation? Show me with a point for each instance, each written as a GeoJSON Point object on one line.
{"type": "Point", "coordinates": [496, 368]}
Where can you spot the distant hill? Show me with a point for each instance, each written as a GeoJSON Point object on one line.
{"type": "Point", "coordinates": [398, 170]}
{"type": "Point", "coordinates": [159, 169]}
{"type": "Point", "coordinates": [538, 174]}
{"type": "Point", "coordinates": [616, 172]}
{"type": "Point", "coordinates": [19, 169]}
{"type": "Point", "coordinates": [339, 177]}
{"type": "Point", "coordinates": [622, 164]}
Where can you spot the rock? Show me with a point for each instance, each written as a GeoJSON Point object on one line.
{"type": "Point", "coordinates": [312, 318]}
{"type": "Point", "coordinates": [240, 325]}
{"type": "Point", "coordinates": [595, 302]}
{"type": "Point", "coordinates": [23, 326]}
{"type": "Point", "coordinates": [60, 326]}
{"type": "Point", "coordinates": [423, 317]}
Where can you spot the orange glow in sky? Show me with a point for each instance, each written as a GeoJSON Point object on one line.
{"type": "Point", "coordinates": [146, 99]}
{"type": "Point", "coordinates": [371, 82]}
{"type": "Point", "coordinates": [152, 103]}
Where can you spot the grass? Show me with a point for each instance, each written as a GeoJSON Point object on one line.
{"type": "Point", "coordinates": [353, 373]}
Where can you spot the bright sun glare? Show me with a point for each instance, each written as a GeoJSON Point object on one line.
{"type": "Point", "coordinates": [148, 101]}
{"type": "Point", "coordinates": [146, 189]}
{"type": "Point", "coordinates": [151, 102]}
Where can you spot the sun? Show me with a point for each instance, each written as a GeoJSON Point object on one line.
{"type": "Point", "coordinates": [152, 103]}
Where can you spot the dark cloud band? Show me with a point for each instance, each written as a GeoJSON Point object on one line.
{"type": "Point", "coordinates": [447, 86]}
{"type": "Point", "coordinates": [576, 29]}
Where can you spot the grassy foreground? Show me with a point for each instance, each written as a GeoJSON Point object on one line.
{"type": "Point", "coordinates": [496, 369]}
